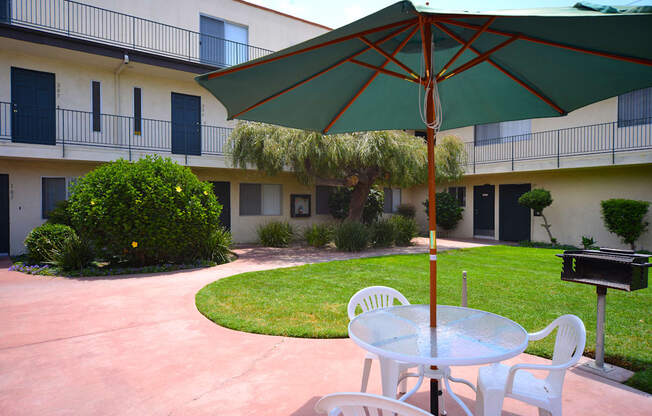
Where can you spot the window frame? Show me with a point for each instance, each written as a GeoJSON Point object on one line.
{"type": "Point", "coordinates": [630, 122]}
{"type": "Point", "coordinates": [138, 131]}
{"type": "Point", "coordinates": [394, 207]}
{"type": "Point", "coordinates": [96, 118]}
{"type": "Point", "coordinates": [261, 212]}
{"type": "Point", "coordinates": [45, 215]}
{"type": "Point", "coordinates": [455, 192]}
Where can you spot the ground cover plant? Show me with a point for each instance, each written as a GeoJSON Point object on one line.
{"type": "Point", "coordinates": [275, 234]}
{"type": "Point", "coordinates": [520, 283]}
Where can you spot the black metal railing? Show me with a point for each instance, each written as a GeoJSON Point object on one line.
{"type": "Point", "coordinates": [603, 138]}
{"type": "Point", "coordinates": [88, 22]}
{"type": "Point", "coordinates": [76, 128]}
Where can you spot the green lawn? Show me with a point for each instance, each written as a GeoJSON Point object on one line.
{"type": "Point", "coordinates": [517, 282]}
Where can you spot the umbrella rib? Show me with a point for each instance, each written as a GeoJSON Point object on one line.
{"type": "Point", "coordinates": [504, 71]}
{"type": "Point", "coordinates": [320, 73]}
{"type": "Point", "coordinates": [477, 60]}
{"type": "Point", "coordinates": [465, 45]}
{"type": "Point", "coordinates": [310, 48]}
{"type": "Point", "coordinates": [385, 71]}
{"type": "Point", "coordinates": [642, 61]}
{"type": "Point", "coordinates": [371, 78]}
{"type": "Point", "coordinates": [388, 56]}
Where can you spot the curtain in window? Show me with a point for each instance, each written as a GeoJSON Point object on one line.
{"type": "Point", "coordinates": [635, 108]}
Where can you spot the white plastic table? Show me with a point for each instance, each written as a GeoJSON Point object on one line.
{"type": "Point", "coordinates": [463, 337]}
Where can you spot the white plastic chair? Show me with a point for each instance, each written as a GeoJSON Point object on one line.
{"type": "Point", "coordinates": [498, 381]}
{"type": "Point", "coordinates": [362, 404]}
{"type": "Point", "coordinates": [369, 299]}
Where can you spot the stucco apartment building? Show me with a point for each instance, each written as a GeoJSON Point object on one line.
{"type": "Point", "coordinates": [83, 83]}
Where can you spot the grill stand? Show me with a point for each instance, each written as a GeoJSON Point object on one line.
{"type": "Point", "coordinates": [598, 366]}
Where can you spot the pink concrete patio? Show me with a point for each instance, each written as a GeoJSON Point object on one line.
{"type": "Point", "coordinates": [137, 345]}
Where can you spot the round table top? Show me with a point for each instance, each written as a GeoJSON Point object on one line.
{"type": "Point", "coordinates": [463, 336]}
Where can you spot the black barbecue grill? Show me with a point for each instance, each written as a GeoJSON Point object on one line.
{"type": "Point", "coordinates": [605, 268]}
{"type": "Point", "coordinates": [614, 269]}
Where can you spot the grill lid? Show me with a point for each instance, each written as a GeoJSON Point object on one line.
{"type": "Point", "coordinates": [607, 254]}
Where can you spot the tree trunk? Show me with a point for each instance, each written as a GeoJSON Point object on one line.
{"type": "Point", "coordinates": [358, 200]}
{"type": "Point", "coordinates": [547, 227]}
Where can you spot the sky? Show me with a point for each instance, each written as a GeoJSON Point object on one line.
{"type": "Point", "coordinates": [336, 13]}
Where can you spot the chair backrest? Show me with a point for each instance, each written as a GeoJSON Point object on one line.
{"type": "Point", "coordinates": [354, 404]}
{"type": "Point", "coordinates": [569, 346]}
{"type": "Point", "coordinates": [374, 297]}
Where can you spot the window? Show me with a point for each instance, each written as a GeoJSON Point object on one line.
{"type": "Point", "coordinates": [459, 193]}
{"type": "Point", "coordinates": [504, 132]}
{"type": "Point", "coordinates": [96, 98]}
{"type": "Point", "coordinates": [392, 197]}
{"type": "Point", "coordinates": [137, 111]}
{"type": "Point", "coordinates": [53, 190]}
{"type": "Point", "coordinates": [635, 108]}
{"type": "Point", "coordinates": [260, 199]}
{"type": "Point", "coordinates": [222, 43]}
{"type": "Point", "coordinates": [323, 196]}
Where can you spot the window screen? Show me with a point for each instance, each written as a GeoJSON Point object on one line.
{"type": "Point", "coordinates": [323, 195]}
{"type": "Point", "coordinates": [271, 199]}
{"type": "Point", "coordinates": [257, 199]}
{"type": "Point", "coordinates": [250, 199]}
{"type": "Point", "coordinates": [387, 200]}
{"type": "Point", "coordinates": [137, 111]}
{"type": "Point", "coordinates": [503, 132]}
{"type": "Point", "coordinates": [635, 108]}
{"type": "Point", "coordinates": [53, 191]}
{"type": "Point", "coordinates": [96, 110]}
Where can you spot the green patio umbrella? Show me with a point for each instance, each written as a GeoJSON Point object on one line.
{"type": "Point", "coordinates": [411, 65]}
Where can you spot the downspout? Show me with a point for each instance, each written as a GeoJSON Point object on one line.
{"type": "Point", "coordinates": [118, 127]}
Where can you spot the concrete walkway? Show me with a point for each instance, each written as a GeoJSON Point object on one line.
{"type": "Point", "coordinates": [136, 345]}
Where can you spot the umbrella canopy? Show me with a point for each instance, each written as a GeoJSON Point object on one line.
{"type": "Point", "coordinates": [403, 66]}
{"type": "Point", "coordinates": [491, 66]}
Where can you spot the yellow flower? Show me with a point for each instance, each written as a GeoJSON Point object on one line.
{"type": "Point", "coordinates": [205, 192]}
{"type": "Point", "coordinates": [134, 244]}
{"type": "Point", "coordinates": [92, 202]}
{"type": "Point", "coordinates": [178, 188]}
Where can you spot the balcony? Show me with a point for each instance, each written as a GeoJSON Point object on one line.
{"type": "Point", "coordinates": [66, 130]}
{"type": "Point", "coordinates": [605, 143]}
{"type": "Point", "coordinates": [89, 23]}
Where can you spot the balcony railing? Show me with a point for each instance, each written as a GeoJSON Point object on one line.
{"type": "Point", "coordinates": [604, 138]}
{"type": "Point", "coordinates": [75, 128]}
{"type": "Point", "coordinates": [82, 21]}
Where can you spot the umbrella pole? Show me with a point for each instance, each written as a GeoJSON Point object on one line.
{"type": "Point", "coordinates": [435, 391]}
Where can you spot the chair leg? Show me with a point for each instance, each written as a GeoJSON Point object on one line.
{"type": "Point", "coordinates": [402, 386]}
{"type": "Point", "coordinates": [442, 405]}
{"type": "Point", "coordinates": [489, 402]}
{"type": "Point", "coordinates": [365, 374]}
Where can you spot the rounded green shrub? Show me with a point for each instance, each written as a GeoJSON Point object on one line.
{"type": "Point", "coordinates": [318, 235]}
{"type": "Point", "coordinates": [625, 218]}
{"type": "Point", "coordinates": [351, 236]}
{"type": "Point", "coordinates": [152, 211]}
{"type": "Point", "coordinates": [275, 234]}
{"type": "Point", "coordinates": [382, 233]}
{"type": "Point", "coordinates": [42, 240]}
{"type": "Point", "coordinates": [405, 229]}
{"type": "Point", "coordinates": [217, 246]}
{"type": "Point", "coordinates": [449, 213]}
{"type": "Point", "coordinates": [536, 200]}
{"type": "Point", "coordinates": [406, 210]}
{"type": "Point", "coordinates": [60, 214]}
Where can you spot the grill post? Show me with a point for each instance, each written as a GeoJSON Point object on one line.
{"type": "Point", "coordinates": [601, 291]}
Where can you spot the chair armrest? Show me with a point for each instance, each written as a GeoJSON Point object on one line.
{"type": "Point", "coordinates": [509, 383]}
{"type": "Point", "coordinates": [536, 336]}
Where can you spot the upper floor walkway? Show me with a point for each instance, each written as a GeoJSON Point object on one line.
{"type": "Point", "coordinates": [89, 23]}
{"type": "Point", "coordinates": [81, 135]}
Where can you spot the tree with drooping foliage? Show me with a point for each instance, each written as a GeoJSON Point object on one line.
{"type": "Point", "coordinates": [357, 160]}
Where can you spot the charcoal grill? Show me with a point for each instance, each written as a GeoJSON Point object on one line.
{"type": "Point", "coordinates": [605, 268]}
